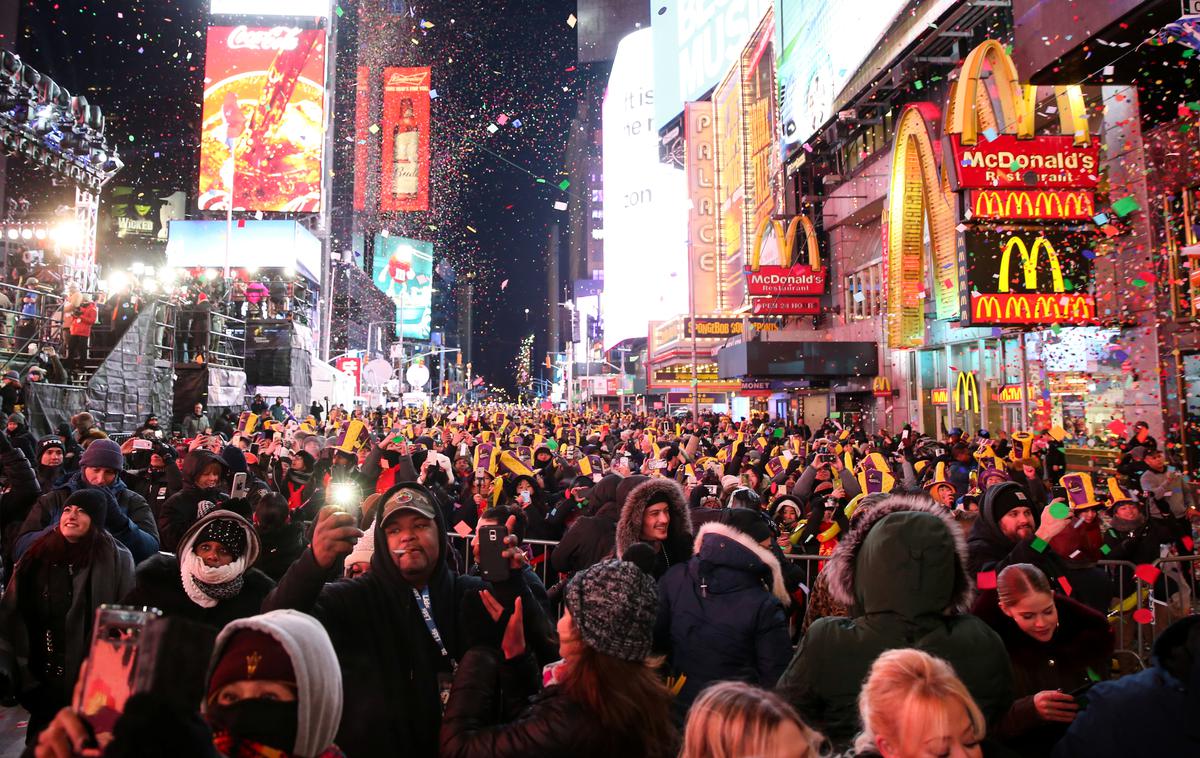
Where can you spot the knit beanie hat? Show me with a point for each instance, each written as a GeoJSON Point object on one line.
{"type": "Point", "coordinates": [614, 605]}
{"type": "Point", "coordinates": [756, 524]}
{"type": "Point", "coordinates": [93, 502]}
{"type": "Point", "coordinates": [226, 532]}
{"type": "Point", "coordinates": [47, 442]}
{"type": "Point", "coordinates": [1004, 497]}
{"type": "Point", "coordinates": [17, 418]}
{"type": "Point", "coordinates": [251, 655]}
{"type": "Point", "coordinates": [103, 454]}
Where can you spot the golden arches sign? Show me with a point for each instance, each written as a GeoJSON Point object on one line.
{"type": "Point", "coordinates": [970, 103]}
{"type": "Point", "coordinates": [966, 392]}
{"type": "Point", "coordinates": [1029, 259]}
{"type": "Point", "coordinates": [785, 237]}
{"type": "Point", "coordinates": [918, 196]}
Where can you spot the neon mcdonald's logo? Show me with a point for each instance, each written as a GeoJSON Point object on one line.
{"type": "Point", "coordinates": [1029, 259]}
{"type": "Point", "coordinates": [1033, 204]}
{"type": "Point", "coordinates": [881, 386]}
{"type": "Point", "coordinates": [966, 392]}
{"type": "Point", "coordinates": [1032, 308]}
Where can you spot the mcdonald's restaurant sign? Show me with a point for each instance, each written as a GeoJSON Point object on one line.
{"type": "Point", "coordinates": [1011, 393]}
{"type": "Point", "coordinates": [1007, 162]}
{"type": "Point", "coordinates": [1027, 277]}
{"type": "Point", "coordinates": [793, 278]}
{"type": "Point", "coordinates": [966, 392]}
{"type": "Point", "coordinates": [939, 396]}
{"type": "Point", "coordinates": [881, 386]}
{"type": "Point", "coordinates": [1031, 204]}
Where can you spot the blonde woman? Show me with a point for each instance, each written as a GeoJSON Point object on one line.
{"type": "Point", "coordinates": [734, 719]}
{"type": "Point", "coordinates": [913, 706]}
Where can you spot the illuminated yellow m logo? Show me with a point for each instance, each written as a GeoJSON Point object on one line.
{"type": "Point", "coordinates": [785, 237]}
{"type": "Point", "coordinates": [1029, 259]}
{"type": "Point", "coordinates": [966, 392]}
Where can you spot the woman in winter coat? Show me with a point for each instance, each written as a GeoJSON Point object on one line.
{"type": "Point", "coordinates": [601, 700]}
{"type": "Point", "coordinates": [902, 570]}
{"type": "Point", "coordinates": [47, 611]}
{"type": "Point", "coordinates": [210, 581]}
{"type": "Point", "coordinates": [1056, 646]}
{"type": "Point", "coordinates": [202, 472]}
{"type": "Point", "coordinates": [721, 615]}
{"type": "Point", "coordinates": [656, 513]}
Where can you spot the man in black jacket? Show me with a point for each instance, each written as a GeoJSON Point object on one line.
{"type": "Point", "coordinates": [400, 629]}
{"type": "Point", "coordinates": [19, 435]}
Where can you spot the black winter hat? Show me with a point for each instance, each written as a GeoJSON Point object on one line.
{"type": "Point", "coordinates": [756, 524]}
{"type": "Point", "coordinates": [47, 442]}
{"type": "Point", "coordinates": [93, 502]}
{"type": "Point", "coordinates": [227, 532]}
{"type": "Point", "coordinates": [1004, 497]}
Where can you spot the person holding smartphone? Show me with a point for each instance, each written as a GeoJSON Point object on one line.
{"type": "Point", "coordinates": [47, 611]}
{"type": "Point", "coordinates": [1057, 647]}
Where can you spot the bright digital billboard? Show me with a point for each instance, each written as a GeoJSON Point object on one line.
{"type": "Point", "coordinates": [403, 270]}
{"type": "Point", "coordinates": [645, 204]}
{"type": "Point", "coordinates": [263, 128]}
{"type": "Point", "coordinates": [695, 43]}
{"type": "Point", "coordinates": [818, 46]}
{"type": "Point", "coordinates": [294, 8]}
{"type": "Point", "coordinates": [405, 171]}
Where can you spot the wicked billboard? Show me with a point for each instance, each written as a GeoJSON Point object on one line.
{"type": "Point", "coordinates": [1027, 277]}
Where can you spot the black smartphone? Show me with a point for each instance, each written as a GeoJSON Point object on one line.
{"type": "Point", "coordinates": [712, 489]}
{"type": "Point", "coordinates": [254, 448]}
{"type": "Point", "coordinates": [1082, 690]}
{"type": "Point", "coordinates": [1058, 492]}
{"type": "Point", "coordinates": [493, 566]}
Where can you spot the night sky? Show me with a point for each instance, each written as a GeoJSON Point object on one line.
{"type": "Point", "coordinates": [143, 63]}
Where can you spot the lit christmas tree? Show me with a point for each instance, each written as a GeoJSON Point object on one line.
{"type": "Point", "coordinates": [525, 366]}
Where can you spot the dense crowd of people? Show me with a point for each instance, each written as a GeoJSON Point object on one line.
{"type": "Point", "coordinates": [503, 581]}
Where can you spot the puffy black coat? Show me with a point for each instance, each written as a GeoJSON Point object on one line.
{"type": "Point", "coordinates": [280, 548]}
{"type": "Point", "coordinates": [156, 486]}
{"type": "Point", "coordinates": [476, 724]}
{"type": "Point", "coordinates": [138, 533]}
{"type": "Point", "coordinates": [22, 440]}
{"type": "Point", "coordinates": [159, 584]}
{"type": "Point", "coordinates": [589, 540]}
{"type": "Point", "coordinates": [721, 614]}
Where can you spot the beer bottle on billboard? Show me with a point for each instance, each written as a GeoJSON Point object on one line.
{"type": "Point", "coordinates": [405, 154]}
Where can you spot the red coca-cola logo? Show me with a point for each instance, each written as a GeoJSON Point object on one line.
{"type": "Point", "coordinates": [276, 38]}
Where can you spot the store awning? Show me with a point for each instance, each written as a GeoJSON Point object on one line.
{"type": "Point", "coordinates": [798, 360]}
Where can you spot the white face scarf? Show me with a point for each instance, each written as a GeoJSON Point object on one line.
{"type": "Point", "coordinates": [207, 585]}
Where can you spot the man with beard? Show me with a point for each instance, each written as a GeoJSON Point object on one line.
{"type": "Point", "coordinates": [1008, 531]}
{"type": "Point", "coordinates": [401, 628]}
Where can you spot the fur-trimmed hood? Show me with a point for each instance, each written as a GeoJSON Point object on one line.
{"type": "Point", "coordinates": [912, 556]}
{"type": "Point", "coordinates": [658, 489]}
{"type": "Point", "coordinates": [722, 546]}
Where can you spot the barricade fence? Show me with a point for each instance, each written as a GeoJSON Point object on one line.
{"type": "Point", "coordinates": [1164, 593]}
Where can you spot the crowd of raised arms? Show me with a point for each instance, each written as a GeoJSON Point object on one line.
{"type": "Point", "coordinates": [504, 581]}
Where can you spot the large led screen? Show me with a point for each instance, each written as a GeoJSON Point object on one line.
{"type": "Point", "coordinates": [818, 46]}
{"type": "Point", "coordinates": [263, 119]}
{"type": "Point", "coordinates": [645, 204]}
{"type": "Point", "coordinates": [403, 270]}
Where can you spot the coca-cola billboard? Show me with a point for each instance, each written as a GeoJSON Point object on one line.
{"type": "Point", "coordinates": [785, 281]}
{"type": "Point", "coordinates": [405, 165]}
{"type": "Point", "coordinates": [263, 130]}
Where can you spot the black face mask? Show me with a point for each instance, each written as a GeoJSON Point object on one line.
{"type": "Point", "coordinates": [267, 722]}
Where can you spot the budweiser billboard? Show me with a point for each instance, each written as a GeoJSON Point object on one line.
{"type": "Point", "coordinates": [405, 165]}
{"type": "Point", "coordinates": [787, 306]}
{"type": "Point", "coordinates": [362, 121]}
{"type": "Point", "coordinates": [1031, 204]}
{"type": "Point", "coordinates": [1005, 162]}
{"type": "Point", "coordinates": [786, 281]}
{"type": "Point", "coordinates": [263, 119]}
{"type": "Point", "coordinates": [1028, 276]}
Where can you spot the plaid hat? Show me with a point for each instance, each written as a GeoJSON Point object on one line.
{"type": "Point", "coordinates": [613, 605]}
{"type": "Point", "coordinates": [227, 533]}
{"type": "Point", "coordinates": [408, 497]}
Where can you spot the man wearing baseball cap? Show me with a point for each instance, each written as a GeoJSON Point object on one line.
{"type": "Point", "coordinates": [401, 629]}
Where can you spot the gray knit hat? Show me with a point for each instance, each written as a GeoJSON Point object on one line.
{"type": "Point", "coordinates": [614, 605]}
